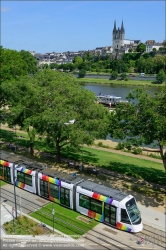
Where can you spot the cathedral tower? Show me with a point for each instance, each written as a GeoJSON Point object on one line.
{"type": "Point", "coordinates": [118, 36]}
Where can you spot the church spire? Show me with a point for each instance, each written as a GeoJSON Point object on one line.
{"type": "Point", "coordinates": [122, 27]}
{"type": "Point", "coordinates": [115, 25]}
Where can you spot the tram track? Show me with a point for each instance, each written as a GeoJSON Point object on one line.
{"type": "Point", "coordinates": [93, 236]}
{"type": "Point", "coordinates": [25, 203]}
{"type": "Point", "coordinates": [149, 234]}
{"type": "Point", "coordinates": [153, 235]}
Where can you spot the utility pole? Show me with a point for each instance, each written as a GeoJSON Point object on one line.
{"type": "Point", "coordinates": [15, 202]}
{"type": "Point", "coordinates": [20, 206]}
{"type": "Point", "coordinates": [53, 212]}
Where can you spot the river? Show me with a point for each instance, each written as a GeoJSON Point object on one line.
{"type": "Point", "coordinates": [116, 90]}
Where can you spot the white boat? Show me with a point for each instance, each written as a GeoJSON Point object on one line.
{"type": "Point", "coordinates": [109, 99]}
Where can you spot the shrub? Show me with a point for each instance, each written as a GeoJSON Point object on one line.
{"type": "Point", "coordinates": [37, 231]}
{"type": "Point", "coordinates": [123, 76]}
{"type": "Point", "coordinates": [114, 75]}
{"type": "Point", "coordinates": [100, 144]}
{"type": "Point", "coordinates": [155, 156]}
{"type": "Point", "coordinates": [137, 151]}
{"type": "Point", "coordinates": [127, 78]}
{"type": "Point", "coordinates": [128, 146]}
{"type": "Point", "coordinates": [81, 73]}
{"type": "Point", "coordinates": [120, 146]}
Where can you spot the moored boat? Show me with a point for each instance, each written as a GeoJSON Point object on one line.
{"type": "Point", "coordinates": [109, 99]}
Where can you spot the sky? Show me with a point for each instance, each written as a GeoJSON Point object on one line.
{"type": "Point", "coordinates": [60, 26]}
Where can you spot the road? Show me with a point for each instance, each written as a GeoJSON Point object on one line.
{"type": "Point", "coordinates": [138, 78]}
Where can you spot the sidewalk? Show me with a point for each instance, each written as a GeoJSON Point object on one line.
{"type": "Point", "coordinates": [6, 215]}
{"type": "Point", "coordinates": [152, 217]}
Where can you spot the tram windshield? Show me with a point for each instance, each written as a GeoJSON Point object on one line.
{"type": "Point", "coordinates": [133, 211]}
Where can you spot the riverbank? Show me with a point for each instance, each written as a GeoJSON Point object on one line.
{"type": "Point", "coordinates": [119, 82]}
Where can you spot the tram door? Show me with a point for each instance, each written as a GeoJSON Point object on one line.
{"type": "Point", "coordinates": [110, 214]}
{"type": "Point", "coordinates": [44, 188]}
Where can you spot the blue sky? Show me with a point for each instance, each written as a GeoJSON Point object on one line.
{"type": "Point", "coordinates": [47, 26]}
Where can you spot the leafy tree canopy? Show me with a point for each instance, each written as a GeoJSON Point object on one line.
{"type": "Point", "coordinates": [141, 47]}
{"type": "Point", "coordinates": [15, 64]}
{"type": "Point", "coordinates": [142, 120]}
{"type": "Point", "coordinates": [55, 106]}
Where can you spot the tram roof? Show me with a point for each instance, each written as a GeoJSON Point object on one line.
{"type": "Point", "coordinates": [103, 190]}
{"type": "Point", "coordinates": [21, 160]}
{"type": "Point", "coordinates": [10, 157]}
{"type": "Point", "coordinates": [35, 166]}
{"type": "Point", "coordinates": [63, 176]}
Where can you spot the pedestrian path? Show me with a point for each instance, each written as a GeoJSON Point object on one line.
{"type": "Point", "coordinates": [6, 215]}
{"type": "Point", "coordinates": [152, 217]}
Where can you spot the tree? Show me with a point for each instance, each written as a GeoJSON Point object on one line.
{"type": "Point", "coordinates": [53, 66]}
{"type": "Point", "coordinates": [141, 48]}
{"type": "Point", "coordinates": [114, 75]}
{"type": "Point", "coordinates": [56, 107]}
{"type": "Point", "coordinates": [30, 61]}
{"type": "Point", "coordinates": [123, 76]}
{"type": "Point", "coordinates": [77, 61]}
{"type": "Point", "coordinates": [12, 65]}
{"type": "Point", "coordinates": [81, 73]}
{"type": "Point", "coordinates": [20, 99]}
{"type": "Point", "coordinates": [160, 76]}
{"type": "Point", "coordinates": [142, 120]}
{"type": "Point", "coordinates": [62, 99]}
{"type": "Point", "coordinates": [130, 50]}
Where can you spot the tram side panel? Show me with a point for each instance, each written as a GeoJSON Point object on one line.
{"type": "Point", "coordinates": [101, 208]}
{"type": "Point", "coordinates": [6, 171]}
{"type": "Point", "coordinates": [55, 190]}
{"type": "Point", "coordinates": [25, 178]}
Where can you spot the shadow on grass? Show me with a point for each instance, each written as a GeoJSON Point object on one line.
{"type": "Point", "coordinates": [156, 82]}
{"type": "Point", "coordinates": [10, 136]}
{"type": "Point", "coordinates": [148, 174]}
{"type": "Point", "coordinates": [81, 156]}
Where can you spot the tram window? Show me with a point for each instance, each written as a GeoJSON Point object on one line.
{"type": "Point", "coordinates": [54, 190]}
{"type": "Point", "coordinates": [24, 178]}
{"type": "Point", "coordinates": [44, 188]}
{"type": "Point", "coordinates": [96, 206]}
{"type": "Point", "coordinates": [7, 174]}
{"type": "Point", "coordinates": [20, 176]}
{"type": "Point", "coordinates": [28, 179]}
{"type": "Point", "coordinates": [124, 216]}
{"type": "Point", "coordinates": [65, 196]}
{"type": "Point", "coordinates": [84, 201]}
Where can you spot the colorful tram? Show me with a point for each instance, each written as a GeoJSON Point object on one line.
{"type": "Point", "coordinates": [104, 204]}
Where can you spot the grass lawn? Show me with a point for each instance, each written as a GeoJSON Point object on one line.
{"type": "Point", "coordinates": [143, 169]}
{"type": "Point", "coordinates": [2, 183]}
{"type": "Point", "coordinates": [65, 220]}
{"type": "Point", "coordinates": [119, 82]}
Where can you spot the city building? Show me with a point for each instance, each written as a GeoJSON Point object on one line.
{"type": "Point", "coordinates": [151, 44]}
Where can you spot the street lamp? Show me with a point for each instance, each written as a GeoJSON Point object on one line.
{"type": "Point", "coordinates": [53, 212]}
{"type": "Point", "coordinates": [14, 180]}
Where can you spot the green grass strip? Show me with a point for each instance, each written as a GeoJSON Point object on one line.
{"type": "Point", "coordinates": [65, 220]}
